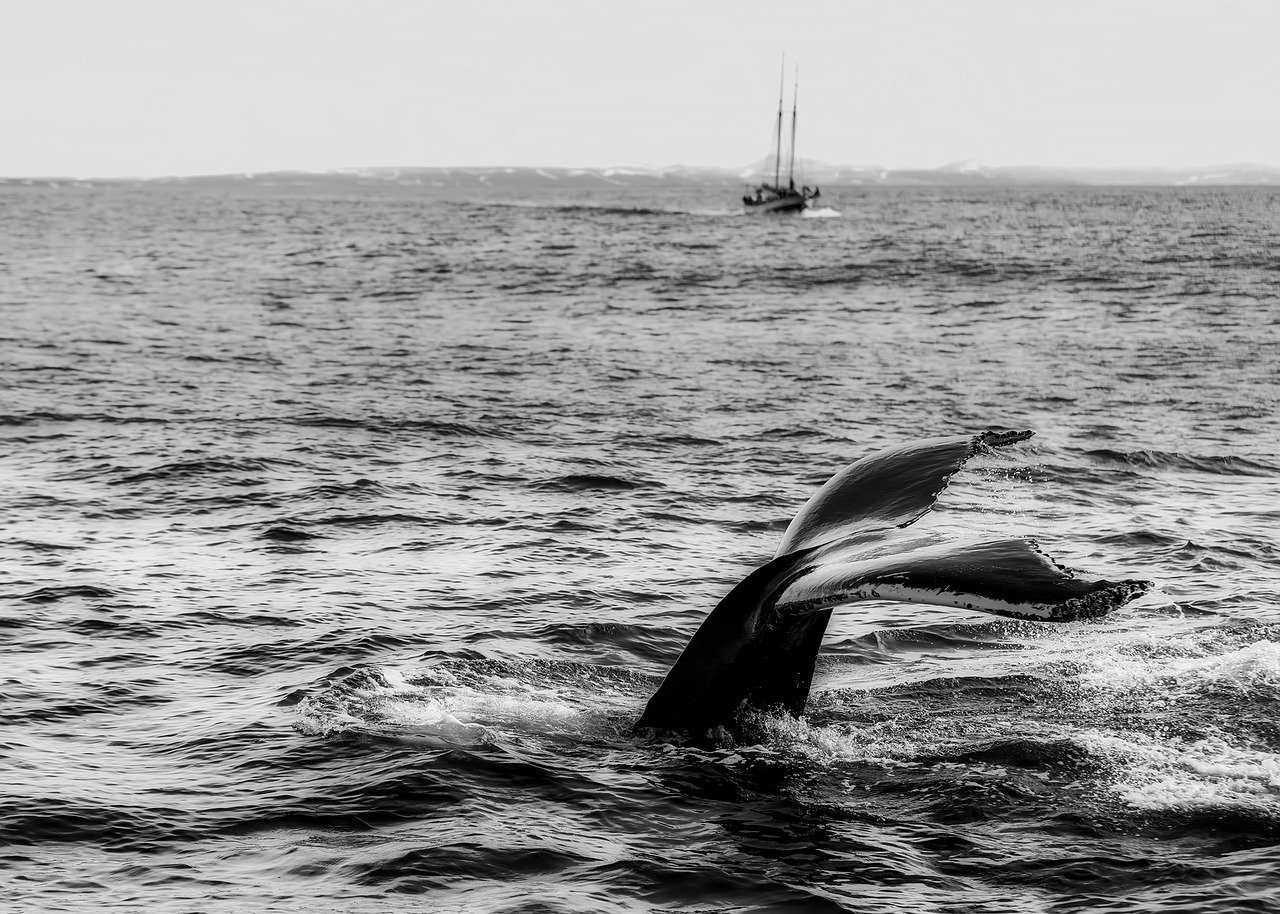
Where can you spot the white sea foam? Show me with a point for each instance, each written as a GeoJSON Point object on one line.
{"type": "Point", "coordinates": [1162, 774]}
{"type": "Point", "coordinates": [1186, 676]}
{"type": "Point", "coordinates": [881, 744]}
{"type": "Point", "coordinates": [1187, 664]}
{"type": "Point", "coordinates": [435, 703]}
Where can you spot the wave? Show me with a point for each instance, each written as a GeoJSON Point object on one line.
{"type": "Point", "coordinates": [1164, 669]}
{"type": "Point", "coordinates": [39, 546]}
{"type": "Point", "coordinates": [1228, 465]}
{"type": "Point", "coordinates": [363, 520]}
{"type": "Point", "coordinates": [442, 427]}
{"type": "Point", "coordinates": [1140, 538]}
{"type": "Point", "coordinates": [358, 488]}
{"type": "Point", "coordinates": [1062, 755]}
{"type": "Point", "coordinates": [423, 869]}
{"type": "Point", "coordinates": [287, 534]}
{"type": "Point", "coordinates": [678, 440]}
{"type": "Point", "coordinates": [1173, 774]}
{"type": "Point", "coordinates": [581, 482]}
{"type": "Point", "coordinates": [36, 417]}
{"type": "Point", "coordinates": [636, 639]}
{"type": "Point", "coordinates": [54, 594]}
{"type": "Point", "coordinates": [606, 210]}
{"type": "Point", "coordinates": [187, 469]}
{"type": "Point", "coordinates": [469, 702]}
{"type": "Point", "coordinates": [933, 640]}
{"type": "Point", "coordinates": [118, 828]}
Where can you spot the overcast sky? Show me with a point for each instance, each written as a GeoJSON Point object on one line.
{"type": "Point", "coordinates": [154, 87]}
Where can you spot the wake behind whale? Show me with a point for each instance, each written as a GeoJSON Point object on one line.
{"type": "Point", "coordinates": [757, 649]}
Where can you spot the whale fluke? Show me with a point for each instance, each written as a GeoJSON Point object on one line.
{"type": "Point", "coordinates": [890, 488]}
{"type": "Point", "coordinates": [1007, 577]}
{"type": "Point", "coordinates": [758, 647]}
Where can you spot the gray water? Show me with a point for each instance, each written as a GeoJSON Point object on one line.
{"type": "Point", "coordinates": [346, 537]}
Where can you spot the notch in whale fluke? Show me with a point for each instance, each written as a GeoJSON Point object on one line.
{"type": "Point", "coordinates": [850, 542]}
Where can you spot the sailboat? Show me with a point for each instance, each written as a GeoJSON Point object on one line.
{"type": "Point", "coordinates": [775, 198]}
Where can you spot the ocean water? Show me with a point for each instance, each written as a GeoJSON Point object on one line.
{"type": "Point", "coordinates": [346, 536]}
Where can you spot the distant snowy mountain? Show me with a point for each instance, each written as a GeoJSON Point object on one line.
{"type": "Point", "coordinates": [515, 179]}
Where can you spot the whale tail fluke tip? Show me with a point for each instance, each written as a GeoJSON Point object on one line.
{"type": "Point", "coordinates": [994, 438]}
{"type": "Point", "coordinates": [1107, 597]}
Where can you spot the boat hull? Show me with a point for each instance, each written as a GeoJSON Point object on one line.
{"type": "Point", "coordinates": [780, 206]}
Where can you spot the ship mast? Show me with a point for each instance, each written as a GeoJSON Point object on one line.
{"type": "Point", "coordinates": [795, 98]}
{"type": "Point", "coordinates": [777, 156]}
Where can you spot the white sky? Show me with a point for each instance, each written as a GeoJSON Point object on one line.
{"type": "Point", "coordinates": [153, 87]}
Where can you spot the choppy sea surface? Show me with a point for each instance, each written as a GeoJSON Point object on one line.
{"type": "Point", "coordinates": [344, 539]}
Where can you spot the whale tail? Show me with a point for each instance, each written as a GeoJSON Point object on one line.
{"type": "Point", "coordinates": [758, 647]}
